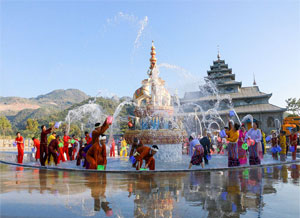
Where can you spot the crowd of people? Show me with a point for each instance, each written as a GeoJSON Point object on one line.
{"type": "Point", "coordinates": [242, 146]}
{"type": "Point", "coordinates": [89, 150]}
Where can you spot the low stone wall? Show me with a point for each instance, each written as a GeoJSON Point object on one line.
{"type": "Point", "coordinates": [7, 145]}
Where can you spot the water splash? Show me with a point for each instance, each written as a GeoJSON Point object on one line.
{"type": "Point", "coordinates": [88, 114]}
{"type": "Point", "coordinates": [248, 117]}
{"type": "Point", "coordinates": [143, 23]}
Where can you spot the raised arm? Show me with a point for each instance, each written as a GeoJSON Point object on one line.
{"type": "Point", "coordinates": [102, 129]}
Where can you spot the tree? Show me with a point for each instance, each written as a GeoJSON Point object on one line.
{"type": "Point", "coordinates": [5, 126]}
{"type": "Point", "coordinates": [32, 125]}
{"type": "Point", "coordinates": [75, 130]}
{"type": "Point", "coordinates": [293, 105]}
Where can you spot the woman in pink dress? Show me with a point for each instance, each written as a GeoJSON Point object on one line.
{"type": "Point", "coordinates": [241, 152]}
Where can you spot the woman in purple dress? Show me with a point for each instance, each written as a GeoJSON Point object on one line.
{"type": "Point", "coordinates": [255, 134]}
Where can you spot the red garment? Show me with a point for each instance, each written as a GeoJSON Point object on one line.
{"type": "Point", "coordinates": [66, 144]}
{"type": "Point", "coordinates": [88, 140]}
{"type": "Point", "coordinates": [293, 142]}
{"type": "Point", "coordinates": [66, 150]}
{"type": "Point", "coordinates": [144, 154]}
{"type": "Point", "coordinates": [96, 155]}
{"type": "Point", "coordinates": [112, 149]}
{"type": "Point", "coordinates": [61, 156]}
{"type": "Point", "coordinates": [20, 146]}
{"type": "Point", "coordinates": [36, 143]}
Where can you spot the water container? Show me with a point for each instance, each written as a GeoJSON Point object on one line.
{"type": "Point", "coordinates": [132, 159]}
{"type": "Point", "coordinates": [292, 148]}
{"type": "Point", "coordinates": [109, 120]}
{"type": "Point", "coordinates": [57, 124]}
{"type": "Point", "coordinates": [100, 167]}
{"type": "Point", "coordinates": [222, 133]}
{"type": "Point", "coordinates": [250, 142]}
{"type": "Point", "coordinates": [224, 196]}
{"type": "Point", "coordinates": [245, 146]}
{"type": "Point", "coordinates": [208, 157]}
{"type": "Point", "coordinates": [14, 144]}
{"type": "Point", "coordinates": [268, 138]}
{"type": "Point", "coordinates": [143, 169]}
{"type": "Point", "coordinates": [231, 113]}
{"type": "Point", "coordinates": [273, 150]}
{"type": "Point", "coordinates": [278, 148]}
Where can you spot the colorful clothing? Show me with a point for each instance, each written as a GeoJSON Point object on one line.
{"type": "Point", "coordinates": [36, 144]}
{"type": "Point", "coordinates": [274, 143]}
{"type": "Point", "coordinates": [253, 155]}
{"type": "Point", "coordinates": [254, 158]}
{"type": "Point", "coordinates": [123, 148]}
{"type": "Point", "coordinates": [96, 155]}
{"type": "Point", "coordinates": [293, 142]}
{"type": "Point", "coordinates": [193, 143]}
{"type": "Point", "coordinates": [197, 157]}
{"type": "Point", "coordinates": [66, 139]}
{"type": "Point", "coordinates": [145, 154]}
{"type": "Point", "coordinates": [112, 149]}
{"type": "Point", "coordinates": [233, 158]}
{"type": "Point", "coordinates": [20, 146]}
{"type": "Point", "coordinates": [241, 152]}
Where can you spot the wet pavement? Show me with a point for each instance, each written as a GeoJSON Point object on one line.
{"type": "Point", "coordinates": [255, 192]}
{"type": "Point", "coordinates": [123, 164]}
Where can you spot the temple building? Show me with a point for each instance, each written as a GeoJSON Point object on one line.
{"type": "Point", "coordinates": [245, 100]}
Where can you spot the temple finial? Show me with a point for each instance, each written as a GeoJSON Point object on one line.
{"type": "Point", "coordinates": [218, 56]}
{"type": "Point", "coordinates": [254, 82]}
{"type": "Point", "coordinates": [153, 58]}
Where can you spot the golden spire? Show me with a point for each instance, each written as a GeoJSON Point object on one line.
{"type": "Point", "coordinates": [153, 58]}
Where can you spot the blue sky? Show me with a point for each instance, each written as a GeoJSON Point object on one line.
{"type": "Point", "coordinates": [89, 45]}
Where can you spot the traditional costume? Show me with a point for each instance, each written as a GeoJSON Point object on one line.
{"type": "Point", "coordinates": [242, 153]}
{"type": "Point", "coordinates": [96, 155]}
{"type": "Point", "coordinates": [233, 158]}
{"type": "Point", "coordinates": [253, 149]}
{"type": "Point", "coordinates": [20, 146]}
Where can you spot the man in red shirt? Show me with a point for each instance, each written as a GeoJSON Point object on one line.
{"type": "Point", "coordinates": [36, 143]}
{"type": "Point", "coordinates": [20, 144]}
{"type": "Point", "coordinates": [293, 142]}
{"type": "Point", "coordinates": [66, 145]}
{"type": "Point", "coordinates": [145, 153]}
{"type": "Point", "coordinates": [43, 144]}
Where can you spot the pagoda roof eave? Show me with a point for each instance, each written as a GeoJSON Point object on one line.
{"type": "Point", "coordinates": [229, 84]}
{"type": "Point", "coordinates": [246, 109]}
{"type": "Point", "coordinates": [224, 96]}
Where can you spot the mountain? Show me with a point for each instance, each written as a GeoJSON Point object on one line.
{"type": "Point", "coordinates": [54, 106]}
{"type": "Point", "coordinates": [56, 100]}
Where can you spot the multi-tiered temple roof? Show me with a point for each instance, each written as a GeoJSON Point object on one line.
{"type": "Point", "coordinates": [244, 99]}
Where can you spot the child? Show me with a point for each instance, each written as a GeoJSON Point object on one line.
{"type": "Point", "coordinates": [282, 140]}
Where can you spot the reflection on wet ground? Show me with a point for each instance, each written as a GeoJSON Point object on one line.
{"type": "Point", "coordinates": [255, 192]}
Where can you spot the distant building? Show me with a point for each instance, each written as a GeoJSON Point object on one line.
{"type": "Point", "coordinates": [245, 100]}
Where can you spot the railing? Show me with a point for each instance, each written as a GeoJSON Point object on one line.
{"type": "Point", "coordinates": [7, 145]}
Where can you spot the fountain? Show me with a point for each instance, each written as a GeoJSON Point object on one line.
{"type": "Point", "coordinates": [154, 121]}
